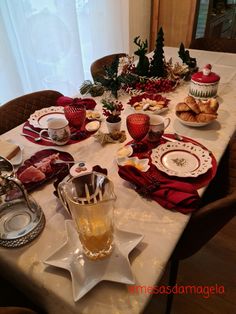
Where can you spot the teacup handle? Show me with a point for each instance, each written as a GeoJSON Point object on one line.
{"type": "Point", "coordinates": [166, 122]}
{"type": "Point", "coordinates": [42, 137]}
{"type": "Point", "coordinates": [62, 197]}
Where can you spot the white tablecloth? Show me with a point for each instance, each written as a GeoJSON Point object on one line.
{"type": "Point", "coordinates": [51, 287]}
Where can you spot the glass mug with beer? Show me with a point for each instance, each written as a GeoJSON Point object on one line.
{"type": "Point", "coordinates": [90, 199]}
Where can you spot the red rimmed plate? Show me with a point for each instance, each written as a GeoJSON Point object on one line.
{"type": "Point", "coordinates": [181, 159]}
{"type": "Point", "coordinates": [149, 103]}
{"type": "Point", "coordinates": [56, 168]}
{"type": "Point", "coordinates": [39, 119]}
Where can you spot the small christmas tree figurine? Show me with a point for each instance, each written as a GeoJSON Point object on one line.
{"type": "Point", "coordinates": [111, 80]}
{"type": "Point", "coordinates": [157, 67]}
{"type": "Point", "coordinates": [143, 63]}
{"type": "Point", "coordinates": [185, 57]}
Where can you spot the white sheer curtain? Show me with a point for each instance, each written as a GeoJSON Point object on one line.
{"type": "Point", "coordinates": [50, 44]}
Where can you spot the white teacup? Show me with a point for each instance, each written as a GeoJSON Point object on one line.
{"type": "Point", "coordinates": [58, 131]}
{"type": "Point", "coordinates": [157, 126]}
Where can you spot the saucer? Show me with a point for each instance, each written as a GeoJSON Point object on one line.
{"type": "Point", "coordinates": [86, 273]}
{"type": "Point", "coordinates": [92, 126]}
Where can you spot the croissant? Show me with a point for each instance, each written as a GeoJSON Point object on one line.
{"type": "Point", "coordinates": [210, 106]}
{"type": "Point", "coordinates": [187, 116]}
{"type": "Point", "coordinates": [182, 106]}
{"type": "Point", "coordinates": [214, 105]}
{"type": "Point", "coordinates": [190, 101]}
{"type": "Point", "coordinates": [206, 117]}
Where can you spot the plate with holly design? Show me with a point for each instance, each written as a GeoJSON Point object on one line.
{"type": "Point", "coordinates": [181, 159]}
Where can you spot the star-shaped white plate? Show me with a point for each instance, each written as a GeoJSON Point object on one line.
{"type": "Point", "coordinates": [85, 273]}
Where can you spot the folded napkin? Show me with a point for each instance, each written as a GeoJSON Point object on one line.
{"type": "Point", "coordinates": [169, 193]}
{"type": "Point", "coordinates": [89, 103]}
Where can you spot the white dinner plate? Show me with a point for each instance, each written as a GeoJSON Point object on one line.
{"type": "Point", "coordinates": [181, 159]}
{"type": "Point", "coordinates": [39, 119]}
{"type": "Point", "coordinates": [86, 273]}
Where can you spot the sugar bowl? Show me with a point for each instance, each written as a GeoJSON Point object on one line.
{"type": "Point", "coordinates": [204, 84]}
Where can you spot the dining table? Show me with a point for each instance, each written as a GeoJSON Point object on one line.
{"type": "Point", "coordinates": [51, 287]}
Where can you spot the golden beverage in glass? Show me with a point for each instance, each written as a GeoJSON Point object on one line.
{"type": "Point", "coordinates": [90, 200]}
{"type": "Point", "coordinates": [96, 237]}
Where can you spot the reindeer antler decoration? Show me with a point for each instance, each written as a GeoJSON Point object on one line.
{"type": "Point", "coordinates": [143, 63]}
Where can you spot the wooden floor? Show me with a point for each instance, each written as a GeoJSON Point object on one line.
{"type": "Point", "coordinates": [213, 264]}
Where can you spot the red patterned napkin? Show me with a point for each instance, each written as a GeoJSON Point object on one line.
{"type": "Point", "coordinates": [173, 193]}
{"type": "Point", "coordinates": [169, 193]}
{"type": "Point", "coordinates": [89, 103]}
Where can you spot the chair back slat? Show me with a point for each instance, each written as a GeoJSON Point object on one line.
{"type": "Point", "coordinates": [18, 110]}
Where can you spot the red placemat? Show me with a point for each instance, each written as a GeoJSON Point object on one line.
{"type": "Point", "coordinates": [171, 192]}
{"type": "Point", "coordinates": [201, 180]}
{"type": "Point", "coordinates": [74, 138]}
{"type": "Point", "coordinates": [55, 169]}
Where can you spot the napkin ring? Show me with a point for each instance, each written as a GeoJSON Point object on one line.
{"type": "Point", "coordinates": [147, 190]}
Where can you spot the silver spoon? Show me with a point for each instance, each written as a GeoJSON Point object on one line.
{"type": "Point", "coordinates": [168, 139]}
{"type": "Point", "coordinates": [36, 132]}
{"type": "Point", "coordinates": [178, 137]}
{"type": "Point", "coordinates": [31, 130]}
{"type": "Point", "coordinates": [37, 139]}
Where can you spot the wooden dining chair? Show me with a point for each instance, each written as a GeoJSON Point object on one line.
{"type": "Point", "coordinates": [16, 310]}
{"type": "Point", "coordinates": [214, 44]}
{"type": "Point", "coordinates": [205, 223]}
{"type": "Point", "coordinates": [97, 67]}
{"type": "Point", "coordinates": [18, 110]}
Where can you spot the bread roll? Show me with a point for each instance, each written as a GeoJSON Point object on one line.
{"type": "Point", "coordinates": [206, 117]}
{"type": "Point", "coordinates": [187, 116]}
{"type": "Point", "coordinates": [182, 106]}
{"type": "Point", "coordinates": [8, 150]}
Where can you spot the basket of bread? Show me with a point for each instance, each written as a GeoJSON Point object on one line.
{"type": "Point", "coordinates": [197, 113]}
